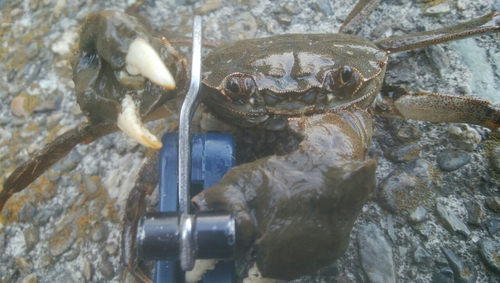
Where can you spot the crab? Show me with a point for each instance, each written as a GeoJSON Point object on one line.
{"type": "Point", "coordinates": [323, 89]}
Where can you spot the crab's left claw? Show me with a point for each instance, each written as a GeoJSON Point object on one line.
{"type": "Point", "coordinates": [122, 73]}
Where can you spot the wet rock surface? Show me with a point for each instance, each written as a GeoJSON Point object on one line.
{"type": "Point", "coordinates": [37, 37]}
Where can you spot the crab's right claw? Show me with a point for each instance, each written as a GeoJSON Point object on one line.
{"type": "Point", "coordinates": [122, 73]}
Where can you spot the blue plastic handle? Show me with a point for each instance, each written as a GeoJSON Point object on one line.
{"type": "Point", "coordinates": [212, 156]}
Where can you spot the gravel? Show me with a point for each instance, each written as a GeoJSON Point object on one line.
{"type": "Point", "coordinates": [88, 189]}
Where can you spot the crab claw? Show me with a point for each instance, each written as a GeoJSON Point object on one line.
{"type": "Point", "coordinates": [130, 123]}
{"type": "Point", "coordinates": [143, 60]}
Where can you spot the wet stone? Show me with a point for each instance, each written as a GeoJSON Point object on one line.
{"type": "Point", "coordinates": [403, 153]}
{"type": "Point", "coordinates": [390, 229]}
{"type": "Point", "coordinates": [462, 272]}
{"type": "Point", "coordinates": [64, 237]}
{"type": "Point", "coordinates": [445, 275]}
{"type": "Point", "coordinates": [88, 270]}
{"type": "Point", "coordinates": [493, 226]}
{"type": "Point", "coordinates": [475, 211]}
{"type": "Point", "coordinates": [450, 221]}
{"type": "Point", "coordinates": [24, 265]}
{"type": "Point", "coordinates": [423, 230]}
{"type": "Point", "coordinates": [91, 185]}
{"type": "Point", "coordinates": [439, 9]}
{"type": "Point", "coordinates": [325, 7]}
{"type": "Point", "coordinates": [495, 158]}
{"type": "Point", "coordinates": [489, 251]}
{"type": "Point", "coordinates": [106, 269]}
{"type": "Point", "coordinates": [418, 215]}
{"type": "Point", "coordinates": [27, 213]}
{"type": "Point", "coordinates": [31, 237]}
{"type": "Point", "coordinates": [42, 217]}
{"type": "Point", "coordinates": [376, 255]}
{"type": "Point", "coordinates": [421, 255]}
{"type": "Point", "coordinates": [99, 233]}
{"type": "Point", "coordinates": [493, 203]}
{"type": "Point", "coordinates": [30, 278]}
{"type": "Point", "coordinates": [450, 160]}
{"type": "Point", "coordinates": [405, 187]}
{"type": "Point", "coordinates": [72, 254]}
{"type": "Point", "coordinates": [438, 58]}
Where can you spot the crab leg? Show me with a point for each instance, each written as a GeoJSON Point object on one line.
{"type": "Point", "coordinates": [312, 195]}
{"type": "Point", "coordinates": [50, 154]}
{"type": "Point", "coordinates": [134, 209]}
{"type": "Point", "coordinates": [484, 24]}
{"type": "Point", "coordinates": [426, 106]}
{"type": "Point", "coordinates": [360, 12]}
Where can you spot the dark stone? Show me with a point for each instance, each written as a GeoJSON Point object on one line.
{"type": "Point", "coordinates": [376, 255]}
{"type": "Point", "coordinates": [463, 273]}
{"type": "Point", "coordinates": [450, 221]}
{"type": "Point", "coordinates": [403, 153]}
{"type": "Point", "coordinates": [450, 160]}
{"type": "Point", "coordinates": [489, 251]}
{"type": "Point", "coordinates": [405, 187]}
{"type": "Point", "coordinates": [493, 226]}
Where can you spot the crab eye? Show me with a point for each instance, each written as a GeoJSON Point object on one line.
{"type": "Point", "coordinates": [232, 85]}
{"type": "Point", "coordinates": [237, 88]}
{"type": "Point", "coordinates": [346, 74]}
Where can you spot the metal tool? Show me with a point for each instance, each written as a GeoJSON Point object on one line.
{"type": "Point", "coordinates": [173, 236]}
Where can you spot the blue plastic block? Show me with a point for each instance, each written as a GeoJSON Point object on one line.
{"type": "Point", "coordinates": [212, 156]}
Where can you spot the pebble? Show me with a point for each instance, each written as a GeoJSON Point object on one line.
{"type": "Point", "coordinates": [493, 226]}
{"type": "Point", "coordinates": [64, 165]}
{"type": "Point", "coordinates": [31, 50]}
{"type": "Point", "coordinates": [495, 57]}
{"type": "Point", "coordinates": [390, 229]}
{"type": "Point", "coordinates": [450, 160]}
{"type": "Point", "coordinates": [450, 221]}
{"type": "Point", "coordinates": [31, 237]}
{"type": "Point", "coordinates": [42, 217]}
{"type": "Point", "coordinates": [72, 254]}
{"type": "Point", "coordinates": [284, 19]}
{"type": "Point", "coordinates": [88, 270]}
{"type": "Point", "coordinates": [445, 275]}
{"type": "Point", "coordinates": [462, 5]}
{"type": "Point", "coordinates": [465, 273]}
{"type": "Point", "coordinates": [493, 203]}
{"type": "Point", "coordinates": [24, 265]}
{"type": "Point", "coordinates": [490, 253]}
{"type": "Point", "coordinates": [418, 215]}
{"type": "Point", "coordinates": [208, 6]}
{"type": "Point", "coordinates": [475, 211]}
{"type": "Point", "coordinates": [53, 120]}
{"type": "Point", "coordinates": [495, 158]}
{"type": "Point", "coordinates": [464, 137]}
{"type": "Point", "coordinates": [405, 130]}
{"type": "Point", "coordinates": [405, 187]}
{"type": "Point", "coordinates": [91, 185]}
{"type": "Point", "coordinates": [421, 255]}
{"type": "Point", "coordinates": [112, 248]}
{"type": "Point", "coordinates": [106, 269]}
{"type": "Point", "coordinates": [376, 255]}
{"type": "Point", "coordinates": [23, 105]}
{"type": "Point", "coordinates": [99, 232]}
{"type": "Point", "coordinates": [423, 230]}
{"type": "Point", "coordinates": [62, 46]}
{"type": "Point", "coordinates": [438, 58]}
{"type": "Point", "coordinates": [437, 10]}
{"type": "Point", "coordinates": [27, 213]}
{"type": "Point", "coordinates": [403, 153]}
{"type": "Point", "coordinates": [30, 278]}
{"type": "Point", "coordinates": [63, 238]}
{"type": "Point", "coordinates": [325, 7]}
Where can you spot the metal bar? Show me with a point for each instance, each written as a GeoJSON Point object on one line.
{"type": "Point", "coordinates": [187, 110]}
{"type": "Point", "coordinates": [187, 249]}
